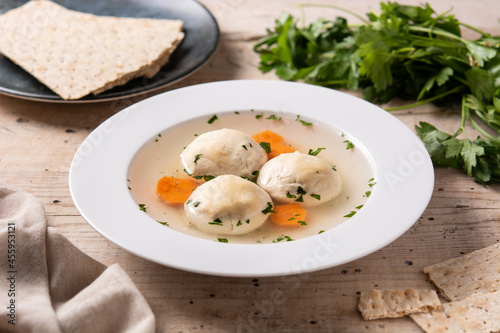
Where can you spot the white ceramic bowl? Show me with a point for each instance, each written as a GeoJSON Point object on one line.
{"type": "Point", "coordinates": [401, 166]}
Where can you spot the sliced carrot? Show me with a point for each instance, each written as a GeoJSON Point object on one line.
{"type": "Point", "coordinates": [276, 142]}
{"type": "Point", "coordinates": [275, 151]}
{"type": "Point", "coordinates": [175, 191]}
{"type": "Point", "coordinates": [269, 136]}
{"type": "Point", "coordinates": [289, 215]}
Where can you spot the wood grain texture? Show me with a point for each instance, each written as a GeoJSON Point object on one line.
{"type": "Point", "coordinates": [38, 141]}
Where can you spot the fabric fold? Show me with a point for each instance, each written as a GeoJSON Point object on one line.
{"type": "Point", "coordinates": [49, 285]}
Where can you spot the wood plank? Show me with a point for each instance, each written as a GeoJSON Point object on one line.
{"type": "Point", "coordinates": [38, 141]}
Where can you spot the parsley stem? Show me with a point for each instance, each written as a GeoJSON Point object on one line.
{"type": "Point", "coordinates": [441, 16]}
{"type": "Point", "coordinates": [461, 79]}
{"type": "Point", "coordinates": [301, 5]}
{"type": "Point", "coordinates": [435, 31]}
{"type": "Point", "coordinates": [482, 33]}
{"type": "Point", "coordinates": [481, 131]}
{"type": "Point", "coordinates": [462, 122]}
{"type": "Point", "coordinates": [328, 83]}
{"type": "Point", "coordinates": [428, 100]}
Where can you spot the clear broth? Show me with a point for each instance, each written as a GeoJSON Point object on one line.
{"type": "Point", "coordinates": [161, 157]}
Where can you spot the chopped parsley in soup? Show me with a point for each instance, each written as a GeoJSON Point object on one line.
{"type": "Point", "coordinates": [250, 177]}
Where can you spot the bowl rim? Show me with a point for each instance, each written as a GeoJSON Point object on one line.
{"type": "Point", "coordinates": [401, 165]}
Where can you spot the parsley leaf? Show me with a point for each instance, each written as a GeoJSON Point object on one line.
{"type": "Point", "coordinates": [273, 117]}
{"type": "Point", "coordinates": [303, 122]}
{"type": "Point", "coordinates": [217, 221]}
{"type": "Point", "coordinates": [403, 51]}
{"type": "Point", "coordinates": [316, 196]}
{"type": "Point", "coordinates": [315, 152]}
{"type": "Point", "coordinates": [282, 238]}
{"type": "Point", "coordinates": [350, 145]}
{"type": "Point", "coordinates": [478, 158]}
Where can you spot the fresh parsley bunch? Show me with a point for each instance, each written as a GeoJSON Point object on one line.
{"type": "Point", "coordinates": [408, 52]}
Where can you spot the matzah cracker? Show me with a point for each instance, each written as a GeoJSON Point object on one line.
{"type": "Point", "coordinates": [479, 312]}
{"type": "Point", "coordinates": [76, 54]}
{"type": "Point", "coordinates": [478, 271]}
{"type": "Point", "coordinates": [377, 304]}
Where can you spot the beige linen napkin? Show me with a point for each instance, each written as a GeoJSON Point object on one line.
{"type": "Point", "coordinates": [48, 285]}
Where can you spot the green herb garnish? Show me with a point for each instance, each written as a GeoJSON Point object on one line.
{"type": "Point", "coordinates": [316, 196]}
{"type": "Point", "coordinates": [217, 221]}
{"type": "Point", "coordinates": [163, 223]}
{"type": "Point", "coordinates": [282, 238]}
{"type": "Point", "coordinates": [204, 177]}
{"type": "Point", "coordinates": [222, 240]}
{"type": "Point", "coordinates": [303, 122]}
{"type": "Point", "coordinates": [350, 145]}
{"type": "Point", "coordinates": [211, 120]}
{"type": "Point", "coordinates": [315, 152]}
{"type": "Point", "coordinates": [408, 52]}
{"type": "Point", "coordinates": [142, 207]}
{"type": "Point", "coordinates": [269, 209]}
{"type": "Point", "coordinates": [273, 117]}
{"type": "Point", "coordinates": [266, 146]}
{"type": "Point", "coordinates": [351, 214]}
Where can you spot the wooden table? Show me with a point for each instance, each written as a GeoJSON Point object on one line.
{"type": "Point", "coordinates": [38, 141]}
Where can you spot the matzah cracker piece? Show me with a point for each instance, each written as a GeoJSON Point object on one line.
{"type": "Point", "coordinates": [478, 271]}
{"type": "Point", "coordinates": [377, 304]}
{"type": "Point", "coordinates": [76, 54]}
{"type": "Point", "coordinates": [479, 312]}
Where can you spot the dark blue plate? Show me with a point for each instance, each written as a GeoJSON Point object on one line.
{"type": "Point", "coordinates": [200, 41]}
